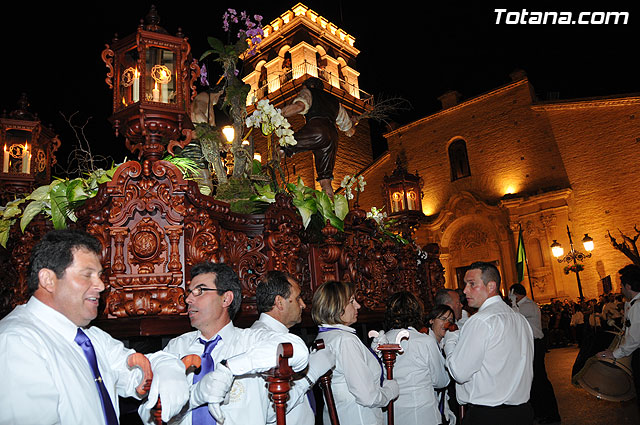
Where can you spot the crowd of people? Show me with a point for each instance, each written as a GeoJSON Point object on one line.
{"type": "Point", "coordinates": [567, 322]}
{"type": "Point", "coordinates": [475, 357]}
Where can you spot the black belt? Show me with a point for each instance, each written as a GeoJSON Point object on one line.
{"type": "Point", "coordinates": [501, 406]}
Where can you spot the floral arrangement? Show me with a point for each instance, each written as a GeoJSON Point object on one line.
{"type": "Point", "coordinates": [310, 203]}
{"type": "Point", "coordinates": [269, 120]}
{"type": "Point", "coordinates": [386, 226]}
{"type": "Point", "coordinates": [352, 184]}
{"type": "Point", "coordinates": [249, 36]}
{"type": "Point", "coordinates": [575, 268]}
{"type": "Point", "coordinates": [377, 215]}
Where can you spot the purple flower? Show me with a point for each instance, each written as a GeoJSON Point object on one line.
{"type": "Point", "coordinates": [203, 76]}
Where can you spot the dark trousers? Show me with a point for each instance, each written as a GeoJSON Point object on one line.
{"type": "Point", "coordinates": [521, 414]}
{"type": "Point", "coordinates": [320, 136]}
{"type": "Point", "coordinates": [542, 398]}
{"type": "Point", "coordinates": [635, 365]}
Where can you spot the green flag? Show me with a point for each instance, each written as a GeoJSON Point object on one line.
{"type": "Point", "coordinates": [521, 258]}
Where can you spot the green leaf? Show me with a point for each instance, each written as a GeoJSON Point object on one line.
{"type": "Point", "coordinates": [216, 44]}
{"type": "Point", "coordinates": [266, 192]}
{"type": "Point", "coordinates": [12, 209]}
{"type": "Point", "coordinates": [59, 206]}
{"type": "Point", "coordinates": [5, 229]}
{"type": "Point", "coordinates": [325, 208]}
{"type": "Point", "coordinates": [257, 167]}
{"type": "Point", "coordinates": [75, 191]}
{"type": "Point", "coordinates": [306, 209]}
{"type": "Point", "coordinates": [40, 193]}
{"type": "Point", "coordinates": [341, 206]}
{"type": "Point", "coordinates": [205, 54]}
{"type": "Point", "coordinates": [31, 210]}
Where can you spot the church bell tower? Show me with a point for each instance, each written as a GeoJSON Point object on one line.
{"type": "Point", "coordinates": [301, 44]}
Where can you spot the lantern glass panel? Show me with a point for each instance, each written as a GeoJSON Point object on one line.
{"type": "Point", "coordinates": [397, 198]}
{"type": "Point", "coordinates": [129, 78]}
{"type": "Point", "coordinates": [412, 199]}
{"type": "Point", "coordinates": [17, 151]}
{"type": "Point", "coordinates": [160, 75]}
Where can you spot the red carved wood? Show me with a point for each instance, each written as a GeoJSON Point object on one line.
{"type": "Point", "coordinates": [325, 385]}
{"type": "Point", "coordinates": [154, 226]}
{"type": "Point", "coordinates": [279, 382]}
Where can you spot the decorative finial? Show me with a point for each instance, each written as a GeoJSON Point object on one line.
{"type": "Point", "coordinates": [152, 21]}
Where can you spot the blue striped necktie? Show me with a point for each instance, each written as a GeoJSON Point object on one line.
{"type": "Point", "coordinates": [201, 415]}
{"type": "Point", "coordinates": [107, 407]}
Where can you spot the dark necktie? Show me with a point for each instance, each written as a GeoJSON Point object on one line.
{"type": "Point", "coordinates": [201, 415]}
{"type": "Point", "coordinates": [107, 407]}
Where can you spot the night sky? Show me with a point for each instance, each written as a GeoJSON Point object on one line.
{"type": "Point", "coordinates": [52, 52]}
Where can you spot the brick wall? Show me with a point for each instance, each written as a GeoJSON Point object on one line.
{"type": "Point", "coordinates": [508, 145]}
{"type": "Point", "coordinates": [599, 143]}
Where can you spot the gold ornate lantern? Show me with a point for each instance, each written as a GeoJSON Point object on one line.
{"type": "Point", "coordinates": [403, 195]}
{"type": "Point", "coordinates": [152, 76]}
{"type": "Point", "coordinates": [28, 152]}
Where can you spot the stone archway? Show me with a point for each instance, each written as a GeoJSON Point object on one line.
{"type": "Point", "coordinates": [469, 230]}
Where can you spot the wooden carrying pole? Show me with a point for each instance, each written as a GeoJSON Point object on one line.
{"type": "Point", "coordinates": [389, 353]}
{"type": "Point", "coordinates": [191, 363]}
{"type": "Point", "coordinates": [279, 382]}
{"type": "Point", "coordinates": [325, 385]}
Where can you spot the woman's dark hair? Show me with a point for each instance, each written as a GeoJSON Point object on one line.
{"type": "Point", "coordinates": [403, 310]}
{"type": "Point", "coordinates": [436, 312]}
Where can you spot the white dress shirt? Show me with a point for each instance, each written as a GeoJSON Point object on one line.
{"type": "Point", "coordinates": [299, 410]}
{"type": "Point", "coordinates": [356, 379]}
{"type": "Point", "coordinates": [491, 357]}
{"type": "Point", "coordinates": [419, 370]}
{"type": "Point", "coordinates": [46, 378]}
{"type": "Point", "coordinates": [244, 406]}
{"type": "Point", "coordinates": [631, 341]}
{"type": "Point", "coordinates": [530, 310]}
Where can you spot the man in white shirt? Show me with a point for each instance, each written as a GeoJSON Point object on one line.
{"type": "Point", "coordinates": [279, 302]}
{"type": "Point", "coordinates": [214, 295]}
{"type": "Point", "coordinates": [543, 398]}
{"type": "Point", "coordinates": [630, 283]}
{"type": "Point", "coordinates": [610, 314]}
{"type": "Point", "coordinates": [491, 357]}
{"type": "Point", "coordinates": [451, 298]}
{"type": "Point", "coordinates": [57, 370]}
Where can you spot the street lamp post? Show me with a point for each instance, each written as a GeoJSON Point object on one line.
{"type": "Point", "coordinates": [573, 255]}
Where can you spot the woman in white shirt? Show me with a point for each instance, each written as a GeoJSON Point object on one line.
{"type": "Point", "coordinates": [420, 369]}
{"type": "Point", "coordinates": [358, 389]}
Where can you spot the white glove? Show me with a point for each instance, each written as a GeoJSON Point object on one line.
{"type": "Point", "coordinates": [320, 362]}
{"type": "Point", "coordinates": [449, 341]}
{"type": "Point", "coordinates": [170, 384]}
{"type": "Point", "coordinates": [381, 338]}
{"type": "Point", "coordinates": [259, 358]}
{"type": "Point", "coordinates": [391, 389]}
{"type": "Point", "coordinates": [212, 388]}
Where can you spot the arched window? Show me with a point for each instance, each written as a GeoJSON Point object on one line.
{"type": "Point", "coordinates": [458, 160]}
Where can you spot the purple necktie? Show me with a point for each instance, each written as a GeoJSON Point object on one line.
{"type": "Point", "coordinates": [107, 407]}
{"type": "Point", "coordinates": [200, 415]}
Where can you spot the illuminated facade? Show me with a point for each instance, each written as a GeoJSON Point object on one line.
{"type": "Point", "coordinates": [503, 161]}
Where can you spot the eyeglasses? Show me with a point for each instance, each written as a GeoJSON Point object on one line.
{"type": "Point", "coordinates": [446, 319]}
{"type": "Point", "coordinates": [199, 290]}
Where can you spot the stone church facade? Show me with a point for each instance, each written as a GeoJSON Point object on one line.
{"type": "Point", "coordinates": [503, 161]}
{"type": "Point", "coordinates": [491, 165]}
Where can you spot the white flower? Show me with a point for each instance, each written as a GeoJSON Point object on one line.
{"type": "Point", "coordinates": [269, 120]}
